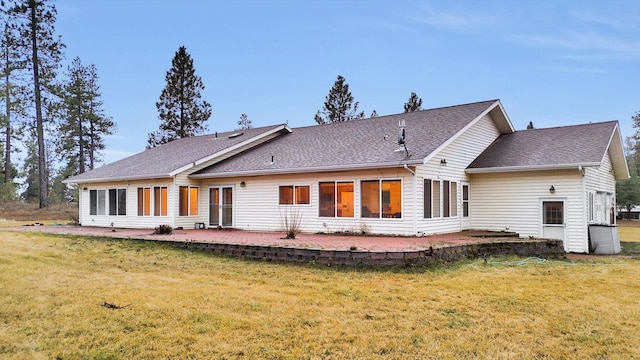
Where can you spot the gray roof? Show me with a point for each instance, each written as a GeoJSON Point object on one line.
{"type": "Point", "coordinates": [583, 145]}
{"type": "Point", "coordinates": [368, 142]}
{"type": "Point", "coordinates": [164, 159]}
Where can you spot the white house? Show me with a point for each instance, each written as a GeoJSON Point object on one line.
{"type": "Point", "coordinates": [427, 172]}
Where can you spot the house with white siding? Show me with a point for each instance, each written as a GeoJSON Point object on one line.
{"type": "Point", "coordinates": [427, 172]}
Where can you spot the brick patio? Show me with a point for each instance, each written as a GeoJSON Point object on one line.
{"type": "Point", "coordinates": [329, 249]}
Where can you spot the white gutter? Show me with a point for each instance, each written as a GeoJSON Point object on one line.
{"type": "Point", "coordinates": [99, 180]}
{"type": "Point", "coordinates": [529, 168]}
{"type": "Point", "coordinates": [303, 170]}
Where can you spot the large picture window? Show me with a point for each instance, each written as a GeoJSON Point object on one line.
{"type": "Point", "coordinates": [97, 202]}
{"type": "Point", "coordinates": [188, 201]}
{"type": "Point", "coordinates": [381, 198]}
{"type": "Point", "coordinates": [160, 201]}
{"type": "Point", "coordinates": [336, 199]}
{"type": "Point", "coordinates": [294, 194]}
{"type": "Point", "coordinates": [118, 202]}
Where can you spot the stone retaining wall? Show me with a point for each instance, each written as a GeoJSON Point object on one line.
{"type": "Point", "coordinates": [433, 255]}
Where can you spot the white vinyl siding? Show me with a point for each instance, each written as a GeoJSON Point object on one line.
{"type": "Point", "coordinates": [131, 219]}
{"type": "Point", "coordinates": [458, 155]}
{"type": "Point", "coordinates": [511, 201]}
{"type": "Point", "coordinates": [256, 204]}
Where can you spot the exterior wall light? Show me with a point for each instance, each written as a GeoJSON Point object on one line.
{"type": "Point", "coordinates": [242, 184]}
{"type": "Point", "coordinates": [552, 189]}
{"type": "Point", "coordinates": [443, 162]}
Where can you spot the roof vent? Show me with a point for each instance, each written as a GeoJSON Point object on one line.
{"type": "Point", "coordinates": [235, 135]}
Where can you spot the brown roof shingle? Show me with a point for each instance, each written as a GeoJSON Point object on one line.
{"type": "Point", "coordinates": [354, 143]}
{"type": "Point", "coordinates": [567, 145]}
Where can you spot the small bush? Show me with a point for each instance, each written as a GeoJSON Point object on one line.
{"type": "Point", "coordinates": [163, 230]}
{"type": "Point", "coordinates": [291, 222]}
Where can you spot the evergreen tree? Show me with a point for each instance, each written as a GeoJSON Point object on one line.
{"type": "Point", "coordinates": [338, 105]}
{"type": "Point", "coordinates": [413, 104]}
{"type": "Point", "coordinates": [244, 122]}
{"type": "Point", "coordinates": [13, 92]}
{"type": "Point", "coordinates": [83, 129]}
{"type": "Point", "coordinates": [34, 21]}
{"type": "Point", "coordinates": [182, 111]}
{"type": "Point", "coordinates": [530, 126]}
{"type": "Point", "coordinates": [628, 190]}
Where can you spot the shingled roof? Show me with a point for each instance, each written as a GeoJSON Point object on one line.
{"type": "Point", "coordinates": [163, 161]}
{"type": "Point", "coordinates": [366, 143]}
{"type": "Point", "coordinates": [552, 148]}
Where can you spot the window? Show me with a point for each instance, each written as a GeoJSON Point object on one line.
{"type": "Point", "coordinates": [117, 201]}
{"type": "Point", "coordinates": [446, 205]}
{"type": "Point", "coordinates": [160, 201]}
{"type": "Point", "coordinates": [590, 205]}
{"type": "Point", "coordinates": [336, 199]}
{"type": "Point", "coordinates": [97, 201]}
{"type": "Point", "coordinates": [427, 199]}
{"type": "Point", "coordinates": [553, 213]}
{"type": "Point", "coordinates": [454, 199]}
{"type": "Point", "coordinates": [188, 201]}
{"type": "Point", "coordinates": [436, 198]}
{"type": "Point", "coordinates": [381, 198]}
{"type": "Point", "coordinates": [291, 194]}
{"type": "Point", "coordinates": [144, 201]}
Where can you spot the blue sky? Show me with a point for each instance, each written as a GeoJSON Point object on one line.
{"type": "Point", "coordinates": [551, 62]}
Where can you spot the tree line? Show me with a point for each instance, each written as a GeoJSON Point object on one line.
{"type": "Point", "coordinates": [628, 191]}
{"type": "Point", "coordinates": [56, 118]}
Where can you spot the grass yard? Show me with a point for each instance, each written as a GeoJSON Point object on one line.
{"type": "Point", "coordinates": [183, 304]}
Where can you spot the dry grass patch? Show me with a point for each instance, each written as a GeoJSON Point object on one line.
{"type": "Point", "coordinates": [187, 304]}
{"type": "Point", "coordinates": [629, 231]}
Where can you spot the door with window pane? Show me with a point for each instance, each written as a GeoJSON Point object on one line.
{"type": "Point", "coordinates": [221, 206]}
{"type": "Point", "coordinates": [553, 224]}
{"type": "Point", "coordinates": [465, 207]}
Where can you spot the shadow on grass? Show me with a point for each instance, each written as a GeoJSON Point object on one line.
{"type": "Point", "coordinates": [631, 249]}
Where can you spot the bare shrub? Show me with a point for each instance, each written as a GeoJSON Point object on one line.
{"type": "Point", "coordinates": [291, 221]}
{"type": "Point", "coordinates": [163, 230]}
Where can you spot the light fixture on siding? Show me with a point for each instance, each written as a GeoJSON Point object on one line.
{"type": "Point", "coordinates": [84, 188]}
{"type": "Point", "coordinates": [243, 184]}
{"type": "Point", "coordinates": [443, 162]}
{"type": "Point", "coordinates": [552, 189]}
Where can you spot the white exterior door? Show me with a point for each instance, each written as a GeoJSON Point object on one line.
{"type": "Point", "coordinates": [221, 206]}
{"type": "Point", "coordinates": [465, 225]}
{"type": "Point", "coordinates": [553, 219]}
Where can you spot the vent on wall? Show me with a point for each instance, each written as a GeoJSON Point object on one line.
{"type": "Point", "coordinates": [235, 135]}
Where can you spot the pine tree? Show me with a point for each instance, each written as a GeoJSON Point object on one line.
{"type": "Point", "coordinates": [244, 122]}
{"type": "Point", "coordinates": [338, 105]}
{"type": "Point", "coordinates": [34, 21]}
{"type": "Point", "coordinates": [85, 125]}
{"type": "Point", "coordinates": [182, 111]}
{"type": "Point", "coordinates": [530, 126]}
{"type": "Point", "coordinates": [413, 104]}
{"type": "Point", "coordinates": [13, 92]}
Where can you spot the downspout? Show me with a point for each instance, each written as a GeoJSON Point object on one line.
{"type": "Point", "coordinates": [585, 211]}
{"type": "Point", "coordinates": [173, 200]}
{"type": "Point", "coordinates": [415, 201]}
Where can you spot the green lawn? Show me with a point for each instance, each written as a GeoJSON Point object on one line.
{"type": "Point", "coordinates": [183, 304]}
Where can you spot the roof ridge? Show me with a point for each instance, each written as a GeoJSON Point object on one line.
{"type": "Point", "coordinates": [569, 126]}
{"type": "Point", "coordinates": [400, 113]}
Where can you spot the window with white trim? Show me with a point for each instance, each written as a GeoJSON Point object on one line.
{"type": "Point", "coordinates": [188, 200]}
{"type": "Point", "coordinates": [118, 202]}
{"type": "Point", "coordinates": [381, 198]}
{"type": "Point", "coordinates": [294, 194]}
{"type": "Point", "coordinates": [97, 202]}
